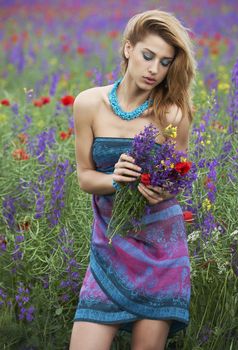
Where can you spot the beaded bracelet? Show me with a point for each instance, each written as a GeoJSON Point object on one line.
{"type": "Point", "coordinates": [116, 185]}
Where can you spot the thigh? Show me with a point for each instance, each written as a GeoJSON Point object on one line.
{"type": "Point", "coordinates": [150, 334]}
{"type": "Point", "coordinates": [91, 336]}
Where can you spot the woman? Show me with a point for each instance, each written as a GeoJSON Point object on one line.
{"type": "Point", "coordinates": [138, 285]}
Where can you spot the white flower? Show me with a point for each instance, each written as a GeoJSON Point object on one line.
{"type": "Point", "coordinates": [194, 236]}
{"type": "Point", "coordinates": [234, 234]}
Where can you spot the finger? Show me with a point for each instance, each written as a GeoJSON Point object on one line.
{"type": "Point", "coordinates": [127, 172]}
{"type": "Point", "coordinates": [149, 193]}
{"type": "Point", "coordinates": [125, 164]}
{"type": "Point", "coordinates": [156, 189]}
{"type": "Point", "coordinates": [126, 157]}
{"type": "Point", "coordinates": [121, 178]}
{"type": "Point", "coordinates": [125, 168]}
{"type": "Point", "coordinates": [150, 199]}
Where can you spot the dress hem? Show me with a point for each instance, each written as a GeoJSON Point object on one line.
{"type": "Point", "coordinates": [99, 277]}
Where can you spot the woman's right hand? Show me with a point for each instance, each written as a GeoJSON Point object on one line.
{"type": "Point", "coordinates": [125, 170]}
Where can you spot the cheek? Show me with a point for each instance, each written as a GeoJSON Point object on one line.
{"type": "Point", "coordinates": [164, 73]}
{"type": "Point", "coordinates": [138, 61]}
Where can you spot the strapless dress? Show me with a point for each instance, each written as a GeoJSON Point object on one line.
{"type": "Point", "coordinates": [145, 276]}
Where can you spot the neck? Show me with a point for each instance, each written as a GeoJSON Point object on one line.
{"type": "Point", "coordinates": [129, 95]}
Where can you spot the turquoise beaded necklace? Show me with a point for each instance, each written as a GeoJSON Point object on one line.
{"type": "Point", "coordinates": [117, 109]}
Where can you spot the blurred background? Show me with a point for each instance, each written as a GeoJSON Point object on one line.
{"type": "Point", "coordinates": [50, 51]}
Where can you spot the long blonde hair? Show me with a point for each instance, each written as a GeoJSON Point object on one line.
{"type": "Point", "coordinates": [176, 88]}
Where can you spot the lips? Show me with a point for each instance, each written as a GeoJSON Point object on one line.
{"type": "Point", "coordinates": [150, 81]}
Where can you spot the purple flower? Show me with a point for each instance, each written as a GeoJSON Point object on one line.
{"type": "Point", "coordinates": [3, 297]}
{"type": "Point", "coordinates": [26, 311]}
{"type": "Point", "coordinates": [70, 280]}
{"type": "Point", "coordinates": [58, 192]}
{"type": "Point", "coordinates": [9, 211]}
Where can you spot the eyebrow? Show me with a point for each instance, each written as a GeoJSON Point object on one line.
{"type": "Point", "coordinates": [171, 58]}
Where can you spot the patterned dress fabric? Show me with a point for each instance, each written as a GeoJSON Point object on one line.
{"type": "Point", "coordinates": [145, 275]}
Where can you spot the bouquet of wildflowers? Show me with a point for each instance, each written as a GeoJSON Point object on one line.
{"type": "Point", "coordinates": [162, 165]}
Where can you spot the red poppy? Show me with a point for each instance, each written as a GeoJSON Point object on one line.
{"type": "Point", "coordinates": [81, 50]}
{"type": "Point", "coordinates": [145, 179]}
{"type": "Point", "coordinates": [188, 216]}
{"type": "Point", "coordinates": [201, 42]}
{"type": "Point", "coordinates": [113, 34]}
{"type": "Point", "coordinates": [15, 38]}
{"type": "Point", "coordinates": [67, 100]}
{"type": "Point", "coordinates": [38, 103]}
{"type": "Point", "coordinates": [218, 36]}
{"type": "Point", "coordinates": [183, 167]}
{"type": "Point", "coordinates": [5, 102]}
{"type": "Point", "coordinates": [45, 100]}
{"type": "Point", "coordinates": [20, 154]}
{"type": "Point", "coordinates": [65, 48]}
{"type": "Point", "coordinates": [64, 135]}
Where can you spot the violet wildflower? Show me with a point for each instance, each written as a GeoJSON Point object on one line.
{"type": "Point", "coordinates": [71, 273]}
{"type": "Point", "coordinates": [212, 176]}
{"type": "Point", "coordinates": [3, 297]}
{"type": "Point", "coordinates": [38, 146]}
{"type": "Point", "coordinates": [26, 311]}
{"type": "Point", "coordinates": [3, 244]}
{"type": "Point", "coordinates": [209, 224]}
{"type": "Point", "coordinates": [162, 165]}
{"type": "Point", "coordinates": [54, 81]}
{"type": "Point", "coordinates": [58, 192]}
{"type": "Point", "coordinates": [28, 122]}
{"type": "Point", "coordinates": [9, 211]}
{"type": "Point", "coordinates": [17, 253]}
{"type": "Point", "coordinates": [40, 203]}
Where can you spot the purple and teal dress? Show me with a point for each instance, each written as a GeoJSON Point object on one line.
{"type": "Point", "coordinates": [145, 276]}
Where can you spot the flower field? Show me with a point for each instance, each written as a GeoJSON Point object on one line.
{"type": "Point", "coordinates": [49, 53]}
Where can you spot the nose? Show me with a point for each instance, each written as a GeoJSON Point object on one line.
{"type": "Point", "coordinates": [153, 68]}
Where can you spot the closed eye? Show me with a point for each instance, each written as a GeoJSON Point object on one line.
{"type": "Point", "coordinates": [165, 62]}
{"type": "Point", "coordinates": [147, 57]}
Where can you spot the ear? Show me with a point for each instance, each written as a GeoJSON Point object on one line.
{"type": "Point", "coordinates": [127, 49]}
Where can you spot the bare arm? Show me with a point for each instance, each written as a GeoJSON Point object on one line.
{"type": "Point", "coordinates": [90, 180]}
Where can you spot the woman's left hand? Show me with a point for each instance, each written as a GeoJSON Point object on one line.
{"type": "Point", "coordinates": [154, 194]}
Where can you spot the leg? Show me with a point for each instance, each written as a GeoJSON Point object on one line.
{"type": "Point", "coordinates": [150, 334]}
{"type": "Point", "coordinates": [91, 336]}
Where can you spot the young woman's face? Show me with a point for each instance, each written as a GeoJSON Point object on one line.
{"type": "Point", "coordinates": [149, 58]}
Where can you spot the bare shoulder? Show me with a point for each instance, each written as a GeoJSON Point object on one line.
{"type": "Point", "coordinates": [90, 100]}
{"type": "Point", "coordinates": [87, 100]}
{"type": "Point", "coordinates": [174, 115]}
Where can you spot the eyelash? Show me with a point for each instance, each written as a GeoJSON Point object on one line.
{"type": "Point", "coordinates": [150, 58]}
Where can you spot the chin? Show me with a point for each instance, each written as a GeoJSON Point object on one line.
{"type": "Point", "coordinates": [143, 86]}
